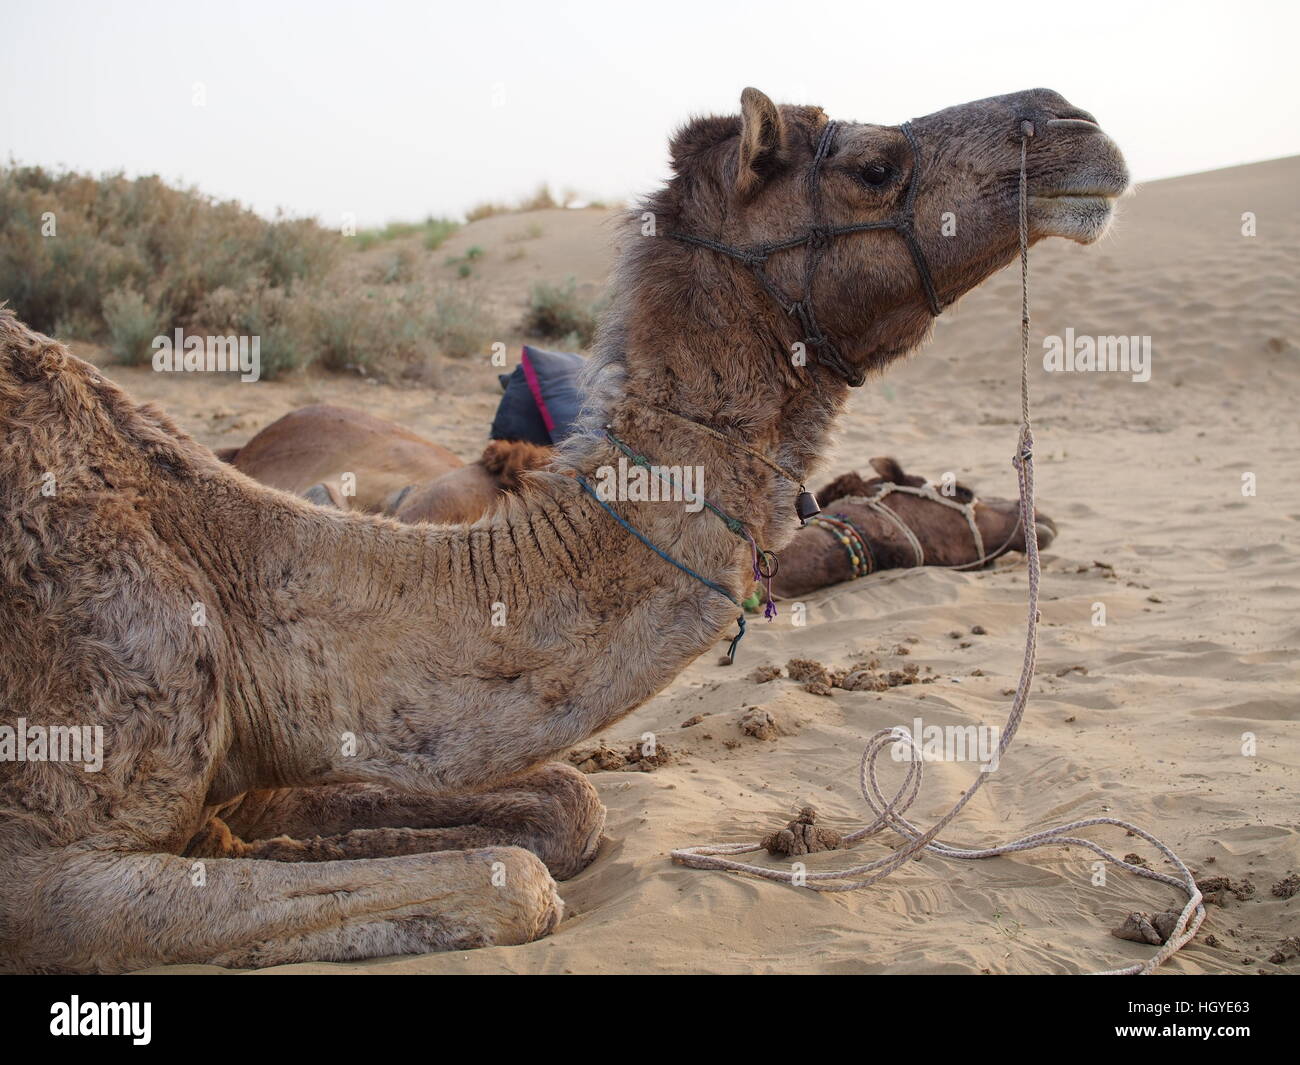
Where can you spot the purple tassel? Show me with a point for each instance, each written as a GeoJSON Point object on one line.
{"type": "Point", "coordinates": [769, 611]}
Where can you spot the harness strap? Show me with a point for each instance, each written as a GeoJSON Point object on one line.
{"type": "Point", "coordinates": [967, 510]}
{"type": "Point", "coordinates": [713, 586]}
{"type": "Point", "coordinates": [815, 240]}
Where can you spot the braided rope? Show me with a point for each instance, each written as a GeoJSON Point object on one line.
{"type": "Point", "coordinates": [733, 444]}
{"type": "Point", "coordinates": [889, 812]}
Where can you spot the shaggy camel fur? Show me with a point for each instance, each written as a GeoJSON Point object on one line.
{"type": "Point", "coordinates": [277, 680]}
{"type": "Point", "coordinates": [816, 559]}
{"type": "Point", "coordinates": [312, 451]}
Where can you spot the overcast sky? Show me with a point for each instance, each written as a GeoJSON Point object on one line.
{"type": "Point", "coordinates": [393, 110]}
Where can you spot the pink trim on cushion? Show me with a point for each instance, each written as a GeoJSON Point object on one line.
{"type": "Point", "coordinates": [535, 387]}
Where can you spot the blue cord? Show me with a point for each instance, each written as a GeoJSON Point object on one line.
{"type": "Point", "coordinates": [740, 621]}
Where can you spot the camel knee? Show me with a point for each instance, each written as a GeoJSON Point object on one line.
{"type": "Point", "coordinates": [570, 819]}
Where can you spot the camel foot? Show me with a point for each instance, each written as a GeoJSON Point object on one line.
{"type": "Point", "coordinates": [109, 912]}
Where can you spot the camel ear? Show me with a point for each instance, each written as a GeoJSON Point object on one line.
{"type": "Point", "coordinates": [890, 470]}
{"type": "Point", "coordinates": [762, 141]}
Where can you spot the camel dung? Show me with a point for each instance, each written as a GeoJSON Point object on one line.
{"type": "Point", "coordinates": [802, 836]}
{"type": "Point", "coordinates": [1144, 928]}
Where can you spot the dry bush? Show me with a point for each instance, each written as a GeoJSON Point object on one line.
{"type": "Point", "coordinates": [173, 247]}
{"type": "Point", "coordinates": [130, 259]}
{"type": "Point", "coordinates": [557, 312]}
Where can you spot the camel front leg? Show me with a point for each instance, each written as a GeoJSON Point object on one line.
{"type": "Point", "coordinates": [552, 811]}
{"type": "Point", "coordinates": [111, 912]}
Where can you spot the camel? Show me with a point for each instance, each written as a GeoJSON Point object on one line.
{"type": "Point", "coordinates": [819, 555]}
{"type": "Point", "coordinates": [328, 735]}
{"type": "Point", "coordinates": [310, 451]}
{"type": "Point", "coordinates": [341, 457]}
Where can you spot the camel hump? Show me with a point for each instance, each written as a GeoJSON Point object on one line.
{"type": "Point", "coordinates": [506, 460]}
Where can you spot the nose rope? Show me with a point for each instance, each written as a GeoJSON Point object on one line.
{"type": "Point", "coordinates": [889, 811]}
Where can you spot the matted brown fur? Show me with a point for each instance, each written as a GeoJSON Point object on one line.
{"type": "Point", "coordinates": [262, 667]}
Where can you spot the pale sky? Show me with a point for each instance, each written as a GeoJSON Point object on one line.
{"type": "Point", "coordinates": [393, 109]}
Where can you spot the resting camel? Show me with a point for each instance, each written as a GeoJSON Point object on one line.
{"type": "Point", "coordinates": [328, 735]}
{"type": "Point", "coordinates": [310, 451]}
{"type": "Point", "coordinates": [826, 552]}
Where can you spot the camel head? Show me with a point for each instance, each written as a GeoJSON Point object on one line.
{"type": "Point", "coordinates": [744, 182]}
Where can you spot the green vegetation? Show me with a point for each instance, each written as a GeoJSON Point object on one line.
{"type": "Point", "coordinates": [68, 242]}
{"type": "Point", "coordinates": [119, 261]}
{"type": "Point", "coordinates": [132, 325]}
{"type": "Point", "coordinates": [432, 232]}
{"type": "Point", "coordinates": [556, 312]}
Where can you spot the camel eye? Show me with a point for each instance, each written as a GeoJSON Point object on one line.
{"type": "Point", "coordinates": [877, 175]}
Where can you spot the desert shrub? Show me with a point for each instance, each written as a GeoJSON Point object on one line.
{"type": "Point", "coordinates": [396, 268]}
{"type": "Point", "coordinates": [271, 314]}
{"type": "Point", "coordinates": [464, 264]}
{"type": "Point", "coordinates": [461, 324]}
{"type": "Point", "coordinates": [67, 241]}
{"type": "Point", "coordinates": [539, 200]}
{"type": "Point", "coordinates": [348, 330]}
{"type": "Point", "coordinates": [557, 312]}
{"type": "Point", "coordinates": [124, 260]}
{"type": "Point", "coordinates": [132, 324]}
{"type": "Point", "coordinates": [432, 232]}
{"type": "Point", "coordinates": [487, 209]}
{"type": "Point", "coordinates": [437, 230]}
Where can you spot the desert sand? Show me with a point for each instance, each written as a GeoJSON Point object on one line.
{"type": "Point", "coordinates": [1144, 718]}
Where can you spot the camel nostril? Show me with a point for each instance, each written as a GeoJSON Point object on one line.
{"type": "Point", "coordinates": [1046, 531]}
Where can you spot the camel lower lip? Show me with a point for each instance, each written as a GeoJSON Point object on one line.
{"type": "Point", "coordinates": [1108, 197]}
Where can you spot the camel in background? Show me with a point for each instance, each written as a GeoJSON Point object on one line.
{"type": "Point", "coordinates": [322, 452]}
{"type": "Point", "coordinates": [327, 734]}
{"type": "Point", "coordinates": [825, 553]}
{"type": "Point", "coordinates": [814, 559]}
{"type": "Point", "coordinates": [340, 456]}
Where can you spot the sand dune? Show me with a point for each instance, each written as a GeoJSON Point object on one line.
{"type": "Point", "coordinates": [1200, 585]}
